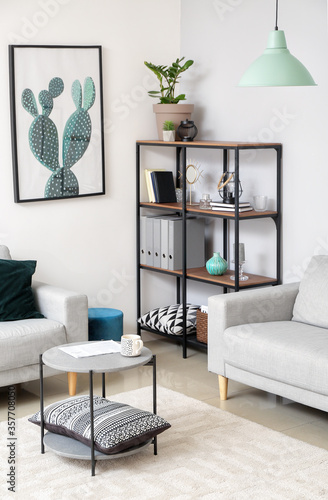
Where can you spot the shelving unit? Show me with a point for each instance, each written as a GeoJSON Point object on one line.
{"type": "Point", "coordinates": [183, 209]}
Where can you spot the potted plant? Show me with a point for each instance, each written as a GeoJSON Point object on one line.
{"type": "Point", "coordinates": [168, 131]}
{"type": "Point", "coordinates": [169, 108]}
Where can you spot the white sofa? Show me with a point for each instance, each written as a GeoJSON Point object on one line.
{"type": "Point", "coordinates": [275, 339]}
{"type": "Point", "coordinates": [22, 341]}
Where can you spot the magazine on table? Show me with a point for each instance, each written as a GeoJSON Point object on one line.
{"type": "Point", "coordinates": [92, 349]}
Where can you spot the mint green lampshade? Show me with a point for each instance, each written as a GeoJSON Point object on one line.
{"type": "Point", "coordinates": [276, 67]}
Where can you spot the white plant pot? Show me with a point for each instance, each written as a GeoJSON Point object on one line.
{"type": "Point", "coordinates": [169, 135]}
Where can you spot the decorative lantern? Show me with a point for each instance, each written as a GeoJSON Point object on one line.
{"type": "Point", "coordinates": [226, 188]}
{"type": "Point", "coordinates": [187, 131]}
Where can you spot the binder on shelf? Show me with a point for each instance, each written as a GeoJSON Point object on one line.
{"type": "Point", "coordinates": [163, 186]}
{"type": "Point", "coordinates": [165, 240]}
{"type": "Point", "coordinates": [164, 243]}
{"type": "Point", "coordinates": [149, 183]}
{"type": "Point", "coordinates": [195, 229]}
{"type": "Point", "coordinates": [143, 238]}
{"type": "Point", "coordinates": [157, 242]}
{"type": "Point", "coordinates": [149, 242]}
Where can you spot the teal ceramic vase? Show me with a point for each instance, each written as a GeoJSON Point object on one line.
{"type": "Point", "coordinates": [216, 265]}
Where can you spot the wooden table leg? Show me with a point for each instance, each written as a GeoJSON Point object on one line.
{"type": "Point", "coordinates": [72, 379]}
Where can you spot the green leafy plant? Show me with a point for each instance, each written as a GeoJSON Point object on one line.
{"type": "Point", "coordinates": [168, 77]}
{"type": "Point", "coordinates": [168, 125]}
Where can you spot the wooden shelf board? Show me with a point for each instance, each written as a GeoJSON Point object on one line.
{"type": "Point", "coordinates": [165, 206]}
{"type": "Point", "coordinates": [218, 144]}
{"type": "Point", "coordinates": [177, 207]}
{"type": "Point", "coordinates": [253, 279]}
{"type": "Point", "coordinates": [200, 273]}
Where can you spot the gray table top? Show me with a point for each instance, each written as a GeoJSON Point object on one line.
{"type": "Point", "coordinates": [60, 360]}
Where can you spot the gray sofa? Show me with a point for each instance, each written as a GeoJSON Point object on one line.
{"type": "Point", "coordinates": [22, 341]}
{"type": "Point", "coordinates": [275, 339]}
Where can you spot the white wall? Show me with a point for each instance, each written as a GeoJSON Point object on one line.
{"type": "Point", "coordinates": [89, 244]}
{"type": "Point", "coordinates": [224, 37]}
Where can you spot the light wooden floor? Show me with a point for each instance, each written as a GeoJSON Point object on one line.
{"type": "Point", "coordinates": [190, 377]}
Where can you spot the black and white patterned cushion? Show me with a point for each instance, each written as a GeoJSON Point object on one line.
{"type": "Point", "coordinates": [117, 426]}
{"type": "Point", "coordinates": [168, 319]}
{"type": "Point", "coordinates": [152, 319]}
{"type": "Point", "coordinates": [172, 320]}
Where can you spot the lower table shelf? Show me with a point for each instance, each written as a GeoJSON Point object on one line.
{"type": "Point", "coordinates": [71, 448]}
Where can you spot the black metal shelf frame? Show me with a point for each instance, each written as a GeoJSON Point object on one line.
{"type": "Point", "coordinates": [181, 281]}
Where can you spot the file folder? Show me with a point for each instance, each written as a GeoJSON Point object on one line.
{"type": "Point", "coordinates": [150, 227]}
{"type": "Point", "coordinates": [143, 235]}
{"type": "Point", "coordinates": [195, 243]}
{"type": "Point", "coordinates": [165, 240]}
{"type": "Point", "coordinates": [157, 241]}
{"type": "Point", "coordinates": [149, 241]}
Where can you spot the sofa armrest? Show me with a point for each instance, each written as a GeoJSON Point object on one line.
{"type": "Point", "coordinates": [66, 307]}
{"type": "Point", "coordinates": [250, 306]}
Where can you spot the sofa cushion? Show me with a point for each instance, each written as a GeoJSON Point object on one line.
{"type": "Point", "coordinates": [311, 305]}
{"type": "Point", "coordinates": [21, 342]}
{"type": "Point", "coordinates": [286, 351]}
{"type": "Point", "coordinates": [117, 426]}
{"type": "Point", "coordinates": [16, 296]}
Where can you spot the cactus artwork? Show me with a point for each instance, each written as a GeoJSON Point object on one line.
{"type": "Point", "coordinates": [43, 134]}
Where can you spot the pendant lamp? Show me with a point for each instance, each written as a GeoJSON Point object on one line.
{"type": "Point", "coordinates": [276, 67]}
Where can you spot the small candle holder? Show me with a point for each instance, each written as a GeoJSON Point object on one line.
{"type": "Point", "coordinates": [178, 193]}
{"type": "Point", "coordinates": [205, 202]}
{"type": "Point", "coordinates": [187, 130]}
{"type": "Point", "coordinates": [242, 276]}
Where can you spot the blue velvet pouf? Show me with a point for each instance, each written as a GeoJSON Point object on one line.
{"type": "Point", "coordinates": [105, 323]}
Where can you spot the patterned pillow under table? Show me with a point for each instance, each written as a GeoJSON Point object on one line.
{"type": "Point", "coordinates": [117, 426]}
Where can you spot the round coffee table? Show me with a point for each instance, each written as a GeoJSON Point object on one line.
{"type": "Point", "coordinates": [104, 363]}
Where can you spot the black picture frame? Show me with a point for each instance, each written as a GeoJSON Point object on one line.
{"type": "Point", "coordinates": [58, 152]}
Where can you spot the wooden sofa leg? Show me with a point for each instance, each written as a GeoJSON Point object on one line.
{"type": "Point", "coordinates": [72, 379]}
{"type": "Point", "coordinates": [223, 387]}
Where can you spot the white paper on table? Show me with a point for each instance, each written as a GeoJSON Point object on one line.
{"type": "Point", "coordinates": [92, 349]}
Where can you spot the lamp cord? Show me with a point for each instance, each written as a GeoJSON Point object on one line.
{"type": "Point", "coordinates": [276, 27]}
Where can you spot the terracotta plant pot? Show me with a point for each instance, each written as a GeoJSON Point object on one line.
{"type": "Point", "coordinates": [172, 112]}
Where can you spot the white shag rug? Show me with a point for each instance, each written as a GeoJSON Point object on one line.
{"type": "Point", "coordinates": [207, 454]}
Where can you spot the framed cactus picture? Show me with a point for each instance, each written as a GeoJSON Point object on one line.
{"type": "Point", "coordinates": [56, 121]}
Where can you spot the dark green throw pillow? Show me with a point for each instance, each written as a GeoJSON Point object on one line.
{"type": "Point", "coordinates": [16, 296]}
